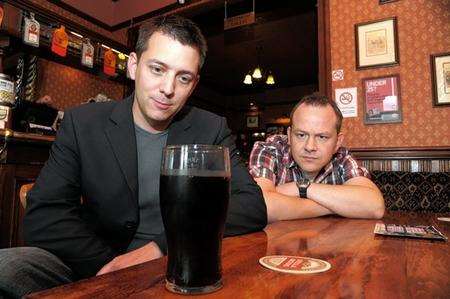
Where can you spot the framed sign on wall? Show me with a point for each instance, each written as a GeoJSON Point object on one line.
{"type": "Point", "coordinates": [382, 100]}
{"type": "Point", "coordinates": [440, 76]}
{"type": "Point", "coordinates": [376, 44]}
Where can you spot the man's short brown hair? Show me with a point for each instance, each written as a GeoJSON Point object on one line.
{"type": "Point", "coordinates": [181, 29]}
{"type": "Point", "coordinates": [319, 100]}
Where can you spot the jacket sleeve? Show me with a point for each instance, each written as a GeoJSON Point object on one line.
{"type": "Point", "coordinates": [52, 219]}
{"type": "Point", "coordinates": [247, 210]}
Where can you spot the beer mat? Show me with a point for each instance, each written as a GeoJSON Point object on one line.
{"type": "Point", "coordinates": [294, 264]}
{"type": "Point", "coordinates": [446, 219]}
{"type": "Point", "coordinates": [413, 231]}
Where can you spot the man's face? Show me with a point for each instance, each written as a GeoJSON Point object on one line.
{"type": "Point", "coordinates": [165, 76]}
{"type": "Point", "coordinates": [313, 137]}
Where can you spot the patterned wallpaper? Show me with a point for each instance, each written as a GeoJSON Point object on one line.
{"type": "Point", "coordinates": [69, 87]}
{"type": "Point", "coordinates": [423, 29]}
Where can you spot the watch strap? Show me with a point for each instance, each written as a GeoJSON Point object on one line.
{"type": "Point", "coordinates": [303, 188]}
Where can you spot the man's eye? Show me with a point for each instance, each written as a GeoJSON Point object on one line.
{"type": "Point", "coordinates": [185, 79]}
{"type": "Point", "coordinates": [323, 137]}
{"type": "Point", "coordinates": [301, 135]}
{"type": "Point", "coordinates": [156, 70]}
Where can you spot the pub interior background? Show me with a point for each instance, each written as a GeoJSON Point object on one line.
{"type": "Point", "coordinates": [299, 43]}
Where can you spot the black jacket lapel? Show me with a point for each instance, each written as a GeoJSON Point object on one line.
{"type": "Point", "coordinates": [178, 128]}
{"type": "Point", "coordinates": [121, 135]}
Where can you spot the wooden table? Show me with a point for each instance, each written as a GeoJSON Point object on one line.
{"type": "Point", "coordinates": [362, 265]}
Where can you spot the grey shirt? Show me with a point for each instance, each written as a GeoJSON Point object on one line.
{"type": "Point", "coordinates": [149, 154]}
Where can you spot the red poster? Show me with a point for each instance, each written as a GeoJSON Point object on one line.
{"type": "Point", "coordinates": [382, 99]}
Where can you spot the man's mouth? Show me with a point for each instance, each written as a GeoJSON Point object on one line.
{"type": "Point", "coordinates": [308, 158]}
{"type": "Point", "coordinates": [161, 105]}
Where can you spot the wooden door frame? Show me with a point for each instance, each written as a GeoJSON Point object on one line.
{"type": "Point", "coordinates": [324, 47]}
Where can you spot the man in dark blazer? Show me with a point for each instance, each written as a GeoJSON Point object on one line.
{"type": "Point", "coordinates": [84, 209]}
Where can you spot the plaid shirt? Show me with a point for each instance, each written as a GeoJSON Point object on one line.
{"type": "Point", "coordinates": [272, 160]}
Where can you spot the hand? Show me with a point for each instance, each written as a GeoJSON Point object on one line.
{"type": "Point", "coordinates": [146, 253]}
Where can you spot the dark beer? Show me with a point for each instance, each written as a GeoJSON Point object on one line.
{"type": "Point", "coordinates": [193, 210]}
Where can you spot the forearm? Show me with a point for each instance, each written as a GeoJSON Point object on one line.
{"type": "Point", "coordinates": [283, 207]}
{"type": "Point", "coordinates": [352, 201]}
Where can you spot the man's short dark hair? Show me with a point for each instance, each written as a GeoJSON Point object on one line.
{"type": "Point", "coordinates": [181, 29]}
{"type": "Point", "coordinates": [316, 99]}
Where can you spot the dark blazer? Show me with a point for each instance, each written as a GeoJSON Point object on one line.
{"type": "Point", "coordinates": [94, 157]}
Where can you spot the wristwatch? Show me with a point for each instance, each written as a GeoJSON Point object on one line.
{"type": "Point", "coordinates": [302, 186]}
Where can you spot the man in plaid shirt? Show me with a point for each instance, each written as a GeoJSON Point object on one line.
{"type": "Point", "coordinates": [307, 173]}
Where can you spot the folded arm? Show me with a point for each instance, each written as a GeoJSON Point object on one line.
{"type": "Point", "coordinates": [358, 197]}
{"type": "Point", "coordinates": [288, 206]}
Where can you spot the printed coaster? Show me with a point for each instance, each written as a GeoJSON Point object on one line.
{"type": "Point", "coordinates": [294, 264]}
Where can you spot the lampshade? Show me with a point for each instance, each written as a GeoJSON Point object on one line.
{"type": "Point", "coordinates": [248, 79]}
{"type": "Point", "coordinates": [257, 73]}
{"type": "Point", "coordinates": [270, 80]}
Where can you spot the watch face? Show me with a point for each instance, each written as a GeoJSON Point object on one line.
{"type": "Point", "coordinates": [303, 182]}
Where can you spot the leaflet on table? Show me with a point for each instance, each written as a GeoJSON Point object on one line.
{"type": "Point", "coordinates": [413, 231]}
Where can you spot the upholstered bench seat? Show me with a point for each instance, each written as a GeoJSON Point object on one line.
{"type": "Point", "coordinates": [414, 191]}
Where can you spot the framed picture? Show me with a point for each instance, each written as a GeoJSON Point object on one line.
{"type": "Point", "coordinates": [376, 44]}
{"type": "Point", "coordinates": [382, 100]}
{"type": "Point", "coordinates": [252, 121]}
{"type": "Point", "coordinates": [440, 76]}
{"type": "Point", "coordinates": [386, 1]}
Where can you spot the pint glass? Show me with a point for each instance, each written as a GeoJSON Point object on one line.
{"type": "Point", "coordinates": [194, 195]}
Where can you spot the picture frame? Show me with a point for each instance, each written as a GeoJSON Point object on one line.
{"type": "Point", "coordinates": [252, 121]}
{"type": "Point", "coordinates": [382, 100]}
{"type": "Point", "coordinates": [376, 44]}
{"type": "Point", "coordinates": [440, 78]}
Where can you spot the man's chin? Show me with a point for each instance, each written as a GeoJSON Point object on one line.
{"type": "Point", "coordinates": [160, 116]}
{"type": "Point", "coordinates": [307, 167]}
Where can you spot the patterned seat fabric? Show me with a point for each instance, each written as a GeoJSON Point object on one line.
{"type": "Point", "coordinates": [414, 191]}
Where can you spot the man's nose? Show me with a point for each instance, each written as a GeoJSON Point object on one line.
{"type": "Point", "coordinates": [167, 85]}
{"type": "Point", "coordinates": [310, 144]}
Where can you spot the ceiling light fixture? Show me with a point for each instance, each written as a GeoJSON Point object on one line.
{"type": "Point", "coordinates": [248, 79]}
{"type": "Point", "coordinates": [257, 73]}
{"type": "Point", "coordinates": [270, 79]}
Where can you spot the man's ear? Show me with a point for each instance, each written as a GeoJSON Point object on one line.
{"type": "Point", "coordinates": [340, 141]}
{"type": "Point", "coordinates": [132, 65]}
{"type": "Point", "coordinates": [289, 135]}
